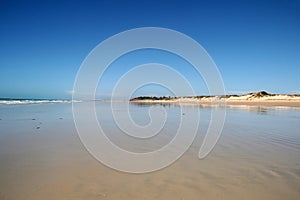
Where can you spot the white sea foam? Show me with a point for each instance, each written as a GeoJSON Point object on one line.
{"type": "Point", "coordinates": [26, 101]}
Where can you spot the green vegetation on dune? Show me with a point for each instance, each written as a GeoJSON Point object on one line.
{"type": "Point", "coordinates": [152, 98]}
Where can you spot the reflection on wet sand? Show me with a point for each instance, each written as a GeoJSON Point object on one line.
{"type": "Point", "coordinates": [260, 109]}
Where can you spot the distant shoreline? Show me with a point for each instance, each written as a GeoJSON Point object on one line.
{"type": "Point", "coordinates": [255, 98]}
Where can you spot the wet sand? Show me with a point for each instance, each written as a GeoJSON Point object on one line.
{"type": "Point", "coordinates": [257, 157]}
{"type": "Point", "coordinates": [285, 103]}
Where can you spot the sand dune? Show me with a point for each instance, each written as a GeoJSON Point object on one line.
{"type": "Point", "coordinates": [255, 98]}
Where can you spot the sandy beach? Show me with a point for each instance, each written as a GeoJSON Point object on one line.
{"type": "Point", "coordinates": [257, 157]}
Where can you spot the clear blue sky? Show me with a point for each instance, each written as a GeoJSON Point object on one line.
{"type": "Point", "coordinates": [255, 44]}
